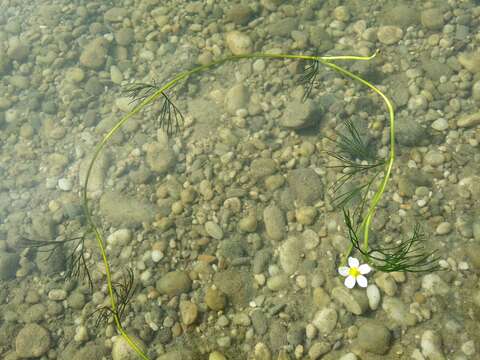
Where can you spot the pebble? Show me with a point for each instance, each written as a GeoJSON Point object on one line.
{"type": "Point", "coordinates": [274, 221]}
{"type": "Point", "coordinates": [291, 255]}
{"type": "Point", "coordinates": [57, 294]}
{"type": "Point", "coordinates": [300, 115]}
{"type": "Point", "coordinates": [470, 61]}
{"type": "Point", "coordinates": [159, 157]}
{"type": "Point", "coordinates": [239, 43]}
{"type": "Point", "coordinates": [123, 210]}
{"type": "Point", "coordinates": [470, 120]}
{"type": "Point", "coordinates": [174, 283]}
{"type": "Point", "coordinates": [236, 98]}
{"type": "Point", "coordinates": [374, 337]}
{"type": "Point", "coordinates": [306, 215]}
{"type": "Point", "coordinates": [215, 299]}
{"type": "Point", "coordinates": [277, 282]}
{"type": "Point", "coordinates": [431, 344]}
{"type": "Point", "coordinates": [389, 35]}
{"type": "Point", "coordinates": [157, 255]}
{"type": "Point", "coordinates": [434, 158]}
{"type": "Point", "coordinates": [325, 320]}
{"type": "Point", "coordinates": [440, 124]}
{"type": "Point", "coordinates": [94, 54]}
{"type": "Point", "coordinates": [120, 237]}
{"type": "Point", "coordinates": [216, 355]}
{"type": "Point", "coordinates": [386, 283]}
{"type": "Point", "coordinates": [373, 295]}
{"type": "Point", "coordinates": [32, 341]}
{"type": "Point", "coordinates": [349, 356]}
{"type": "Point", "coordinates": [432, 18]}
{"type": "Point", "coordinates": [65, 184]}
{"type": "Point", "coordinates": [433, 284]}
{"type": "Point", "coordinates": [121, 350]}
{"type": "Point", "coordinates": [306, 185]}
{"type": "Point", "coordinates": [355, 301]}
{"type": "Point", "coordinates": [242, 319]}
{"type": "Point", "coordinates": [398, 312]}
{"type": "Point", "coordinates": [8, 265]}
{"type": "Point", "coordinates": [214, 230]}
{"type": "Point", "coordinates": [443, 228]}
{"type": "Point", "coordinates": [476, 91]}
{"type": "Point", "coordinates": [318, 349]}
{"type": "Point", "coordinates": [188, 312]}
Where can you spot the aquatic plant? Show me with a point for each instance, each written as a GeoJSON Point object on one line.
{"type": "Point", "coordinates": [354, 156]}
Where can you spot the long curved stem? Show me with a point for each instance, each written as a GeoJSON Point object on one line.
{"type": "Point", "coordinates": [325, 60]}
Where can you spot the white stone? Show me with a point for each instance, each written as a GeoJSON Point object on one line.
{"type": "Point", "coordinates": [431, 344]}
{"type": "Point", "coordinates": [156, 255]}
{"type": "Point", "coordinates": [440, 124]}
{"type": "Point", "coordinates": [373, 294]}
{"type": "Point", "coordinates": [65, 184]}
{"type": "Point", "coordinates": [325, 320]}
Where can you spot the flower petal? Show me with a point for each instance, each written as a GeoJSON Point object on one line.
{"type": "Point", "coordinates": [364, 269]}
{"type": "Point", "coordinates": [350, 282]}
{"type": "Point", "coordinates": [343, 270]}
{"type": "Point", "coordinates": [353, 262]}
{"type": "Point", "coordinates": [362, 281]}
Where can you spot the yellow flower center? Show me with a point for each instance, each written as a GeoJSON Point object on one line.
{"type": "Point", "coordinates": [353, 271]}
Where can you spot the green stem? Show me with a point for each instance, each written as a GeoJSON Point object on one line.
{"type": "Point", "coordinates": [326, 60]}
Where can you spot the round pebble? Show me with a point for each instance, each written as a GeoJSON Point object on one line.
{"type": "Point", "coordinates": [440, 124]}
{"type": "Point", "coordinates": [374, 337]}
{"type": "Point", "coordinates": [214, 230]}
{"type": "Point", "coordinates": [389, 35]}
{"type": "Point", "coordinates": [443, 228]}
{"type": "Point", "coordinates": [32, 341]}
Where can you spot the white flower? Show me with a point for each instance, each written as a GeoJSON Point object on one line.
{"type": "Point", "coordinates": [354, 273]}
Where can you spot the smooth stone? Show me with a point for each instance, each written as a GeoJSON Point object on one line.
{"type": "Point", "coordinates": [236, 98]}
{"type": "Point", "coordinates": [373, 295]}
{"type": "Point", "coordinates": [291, 255]}
{"type": "Point", "coordinates": [433, 284]}
{"type": "Point", "coordinates": [306, 185]}
{"type": "Point", "coordinates": [443, 228]}
{"type": "Point", "coordinates": [8, 265]}
{"type": "Point", "coordinates": [432, 18]}
{"type": "Point", "coordinates": [262, 167]}
{"type": "Point", "coordinates": [355, 300]}
{"type": "Point", "coordinates": [240, 14]}
{"type": "Point", "coordinates": [122, 210]}
{"type": "Point", "coordinates": [57, 294]}
{"type": "Point", "coordinates": [94, 54]}
{"type": "Point", "coordinates": [300, 115]}
{"type": "Point", "coordinates": [160, 157]}
{"type": "Point", "coordinates": [121, 350]}
{"type": "Point", "coordinates": [214, 230]}
{"type": "Point", "coordinates": [120, 237]}
{"type": "Point", "coordinates": [124, 36]}
{"type": "Point", "coordinates": [115, 14]}
{"type": "Point", "coordinates": [32, 341]}
{"type": "Point", "coordinates": [239, 43]}
{"type": "Point", "coordinates": [476, 91]}
{"type": "Point", "coordinates": [440, 124]}
{"type": "Point", "coordinates": [374, 337]}
{"type": "Point", "coordinates": [277, 282]}
{"type": "Point", "coordinates": [274, 222]}
{"type": "Point", "coordinates": [431, 344]}
{"type": "Point", "coordinates": [215, 299]}
{"type": "Point", "coordinates": [325, 320]}
{"type": "Point", "coordinates": [188, 312]}
{"type": "Point", "coordinates": [470, 61]}
{"type": "Point", "coordinates": [174, 283]}
{"type": "Point", "coordinates": [434, 158]}
{"type": "Point", "coordinates": [389, 35]}
{"type": "Point", "coordinates": [470, 120]}
{"type": "Point", "coordinates": [398, 312]}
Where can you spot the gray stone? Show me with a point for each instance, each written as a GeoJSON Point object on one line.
{"type": "Point", "coordinates": [240, 14]}
{"type": "Point", "coordinates": [115, 14]}
{"type": "Point", "coordinates": [236, 98]}
{"type": "Point", "coordinates": [274, 222]}
{"type": "Point", "coordinates": [431, 344]}
{"type": "Point", "coordinates": [32, 341]}
{"type": "Point", "coordinates": [433, 284]}
{"type": "Point", "coordinates": [127, 211]}
{"type": "Point", "coordinates": [325, 320]}
{"type": "Point", "coordinates": [174, 283]}
{"type": "Point", "coordinates": [260, 168]}
{"type": "Point", "coordinates": [389, 35]}
{"type": "Point", "coordinates": [355, 300]}
{"type": "Point", "coordinates": [374, 337]}
{"type": "Point", "coordinates": [236, 285]}
{"type": "Point", "coordinates": [121, 350]}
{"type": "Point", "coordinates": [8, 265]}
{"type": "Point", "coordinates": [432, 18]}
{"type": "Point", "coordinates": [214, 230]}
{"type": "Point", "coordinates": [409, 132]}
{"type": "Point", "coordinates": [94, 54]}
{"type": "Point", "coordinates": [238, 43]}
{"type": "Point", "coordinates": [291, 254]}
{"type": "Point", "coordinates": [306, 186]}
{"type": "Point", "coordinates": [398, 312]}
{"type": "Point", "coordinates": [18, 50]}
{"type": "Point", "coordinates": [90, 351]}
{"type": "Point", "coordinates": [124, 36]}
{"type": "Point", "coordinates": [160, 157]}
{"type": "Point", "coordinates": [283, 27]}
{"type": "Point", "coordinates": [470, 61]}
{"type": "Point", "coordinates": [299, 115]}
